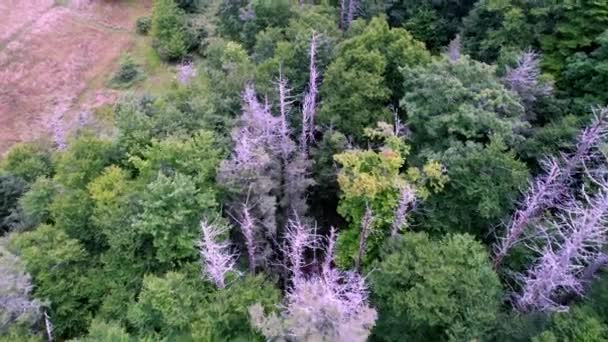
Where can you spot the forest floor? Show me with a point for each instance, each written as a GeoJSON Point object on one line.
{"type": "Point", "coordinates": [55, 59]}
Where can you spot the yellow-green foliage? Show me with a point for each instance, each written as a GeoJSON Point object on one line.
{"type": "Point", "coordinates": [373, 177]}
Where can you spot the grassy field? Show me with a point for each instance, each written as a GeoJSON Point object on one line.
{"type": "Point", "coordinates": [56, 58]}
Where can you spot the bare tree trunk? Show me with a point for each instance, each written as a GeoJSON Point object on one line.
{"type": "Point", "coordinates": [366, 226]}
{"type": "Point", "coordinates": [353, 6]}
{"type": "Point", "coordinates": [49, 327]}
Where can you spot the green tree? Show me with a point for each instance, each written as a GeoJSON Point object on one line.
{"type": "Point", "coordinates": [171, 209]}
{"type": "Point", "coordinates": [225, 315]}
{"type": "Point", "coordinates": [241, 20]}
{"type": "Point", "coordinates": [101, 331]}
{"type": "Point", "coordinates": [484, 184]}
{"type": "Point", "coordinates": [287, 49]}
{"type": "Point", "coordinates": [20, 313]}
{"type": "Point", "coordinates": [61, 270]}
{"type": "Point", "coordinates": [11, 189]}
{"type": "Point", "coordinates": [434, 290]}
{"type": "Point", "coordinates": [585, 76]}
{"type": "Point", "coordinates": [372, 179]}
{"type": "Point", "coordinates": [169, 30]}
{"type": "Point", "coordinates": [130, 252]}
{"type": "Point", "coordinates": [364, 77]}
{"type": "Point", "coordinates": [449, 103]}
{"type": "Point", "coordinates": [577, 24]}
{"type": "Point", "coordinates": [179, 306]}
{"type": "Point", "coordinates": [494, 27]}
{"type": "Point", "coordinates": [85, 157]}
{"type": "Point", "coordinates": [71, 211]}
{"type": "Point", "coordinates": [28, 161]}
{"type": "Point", "coordinates": [166, 306]}
{"type": "Point", "coordinates": [36, 202]}
{"type": "Point", "coordinates": [432, 22]}
{"type": "Point", "coordinates": [578, 324]}
{"type": "Point", "coordinates": [197, 157]}
{"type": "Point", "coordinates": [229, 68]}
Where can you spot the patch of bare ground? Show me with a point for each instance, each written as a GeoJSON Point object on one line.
{"type": "Point", "coordinates": [50, 62]}
{"type": "Point", "coordinates": [16, 15]}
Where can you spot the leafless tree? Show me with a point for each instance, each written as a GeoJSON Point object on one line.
{"type": "Point", "coordinates": [454, 49]}
{"type": "Point", "coordinates": [407, 198]}
{"type": "Point", "coordinates": [571, 243]}
{"type": "Point", "coordinates": [248, 230]}
{"type": "Point", "coordinates": [367, 223]}
{"type": "Point", "coordinates": [309, 106]}
{"type": "Point", "coordinates": [49, 327]}
{"type": "Point", "coordinates": [549, 189]}
{"type": "Point", "coordinates": [216, 256]}
{"type": "Point", "coordinates": [524, 79]}
{"type": "Point", "coordinates": [298, 238]}
{"type": "Point", "coordinates": [330, 306]}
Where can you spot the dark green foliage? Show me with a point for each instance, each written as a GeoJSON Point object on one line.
{"type": "Point", "coordinates": [191, 5]}
{"type": "Point", "coordinates": [434, 290]}
{"type": "Point", "coordinates": [128, 73]}
{"type": "Point", "coordinates": [433, 22]}
{"type": "Point", "coordinates": [60, 268]}
{"type": "Point", "coordinates": [585, 76]}
{"type": "Point", "coordinates": [495, 25]}
{"type": "Point", "coordinates": [484, 184]}
{"type": "Point", "coordinates": [36, 202]}
{"type": "Point", "coordinates": [11, 189]}
{"type": "Point", "coordinates": [172, 207]}
{"type": "Point", "coordinates": [143, 25]}
{"type": "Point", "coordinates": [579, 324]}
{"type": "Point", "coordinates": [578, 23]}
{"type": "Point", "coordinates": [85, 157]}
{"type": "Point", "coordinates": [566, 33]}
{"type": "Point", "coordinates": [169, 30]}
{"type": "Point", "coordinates": [325, 191]}
{"type": "Point", "coordinates": [241, 20]}
{"type": "Point", "coordinates": [451, 103]}
{"type": "Point", "coordinates": [287, 50]}
{"type": "Point", "coordinates": [551, 138]}
{"type": "Point", "coordinates": [364, 78]}
{"type": "Point", "coordinates": [225, 313]}
{"type": "Point", "coordinates": [181, 308]}
{"type": "Point", "coordinates": [513, 326]}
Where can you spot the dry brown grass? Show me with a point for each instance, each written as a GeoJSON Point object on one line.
{"type": "Point", "coordinates": [51, 58]}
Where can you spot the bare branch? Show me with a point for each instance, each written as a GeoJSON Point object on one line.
{"type": "Point", "coordinates": [216, 256]}
{"type": "Point", "coordinates": [407, 198]}
{"type": "Point", "coordinates": [299, 238]}
{"type": "Point", "coordinates": [524, 79]}
{"type": "Point", "coordinates": [575, 241]}
{"type": "Point", "coordinates": [366, 226]}
{"type": "Point", "coordinates": [454, 49]}
{"type": "Point", "coordinates": [309, 106]}
{"type": "Point", "coordinates": [248, 228]}
{"type": "Point", "coordinates": [548, 190]}
{"type": "Point", "coordinates": [353, 7]}
{"type": "Point", "coordinates": [49, 327]}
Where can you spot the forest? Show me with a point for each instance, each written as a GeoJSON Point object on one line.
{"type": "Point", "coordinates": [326, 170]}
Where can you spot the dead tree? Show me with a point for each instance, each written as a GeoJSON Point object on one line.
{"type": "Point", "coordinates": [569, 245]}
{"type": "Point", "coordinates": [548, 189]}
{"type": "Point", "coordinates": [216, 256]}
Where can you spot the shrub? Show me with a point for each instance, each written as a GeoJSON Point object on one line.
{"type": "Point", "coordinates": [143, 25]}
{"type": "Point", "coordinates": [169, 30]}
{"type": "Point", "coordinates": [128, 73]}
